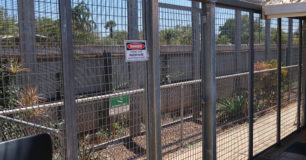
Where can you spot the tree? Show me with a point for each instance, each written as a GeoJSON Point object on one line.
{"type": "Point", "coordinates": [82, 25]}
{"type": "Point", "coordinates": [120, 36]}
{"type": "Point", "coordinates": [8, 26]}
{"type": "Point", "coordinates": [48, 27]}
{"type": "Point", "coordinates": [227, 31]}
{"type": "Point", "coordinates": [274, 37]}
{"type": "Point", "coordinates": [7, 23]}
{"type": "Point", "coordinates": [110, 25]}
{"type": "Point", "coordinates": [184, 34]}
{"type": "Point", "coordinates": [223, 40]}
{"type": "Point", "coordinates": [168, 35]}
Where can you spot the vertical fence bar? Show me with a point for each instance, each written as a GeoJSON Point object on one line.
{"type": "Point", "coordinates": [135, 79]}
{"type": "Point", "coordinates": [267, 39]}
{"type": "Point", "coordinates": [202, 63]}
{"type": "Point", "coordinates": [304, 67]}
{"type": "Point", "coordinates": [251, 86]}
{"type": "Point", "coordinates": [279, 78]}
{"type": "Point", "coordinates": [182, 114]}
{"type": "Point", "coordinates": [106, 120]}
{"type": "Point", "coordinates": [237, 38]}
{"type": "Point", "coordinates": [289, 53]}
{"type": "Point", "coordinates": [152, 112]}
{"type": "Point", "coordinates": [69, 82]}
{"type": "Point", "coordinates": [196, 46]}
{"type": "Point", "coordinates": [26, 21]}
{"type": "Point", "coordinates": [237, 84]}
{"type": "Point", "coordinates": [209, 79]}
{"type": "Point", "coordinates": [300, 76]}
{"type": "Point", "coordinates": [290, 42]}
{"type": "Point", "coordinates": [196, 51]}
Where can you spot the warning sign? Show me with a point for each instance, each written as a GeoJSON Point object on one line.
{"type": "Point", "coordinates": [135, 50]}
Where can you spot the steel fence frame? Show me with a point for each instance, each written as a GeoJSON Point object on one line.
{"type": "Point", "coordinates": [204, 68]}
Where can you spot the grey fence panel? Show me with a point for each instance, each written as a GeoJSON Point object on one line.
{"type": "Point", "coordinates": [114, 101]}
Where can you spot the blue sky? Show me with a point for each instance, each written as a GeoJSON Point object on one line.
{"type": "Point", "coordinates": [105, 10]}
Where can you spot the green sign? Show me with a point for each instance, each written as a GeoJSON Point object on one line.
{"type": "Point", "coordinates": [119, 101]}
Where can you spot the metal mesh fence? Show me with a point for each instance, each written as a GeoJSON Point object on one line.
{"type": "Point", "coordinates": [30, 71]}
{"type": "Point", "coordinates": [289, 85]}
{"type": "Point", "coordinates": [110, 93]}
{"type": "Point", "coordinates": [232, 86]}
{"type": "Point", "coordinates": [180, 93]}
{"type": "Point", "coordinates": [265, 85]}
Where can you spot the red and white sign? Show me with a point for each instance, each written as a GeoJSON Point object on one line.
{"type": "Point", "coordinates": [135, 50]}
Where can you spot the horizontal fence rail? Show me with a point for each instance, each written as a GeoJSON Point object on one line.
{"type": "Point", "coordinates": [95, 98]}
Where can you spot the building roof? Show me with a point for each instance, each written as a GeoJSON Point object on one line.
{"type": "Point", "coordinates": [37, 36]}
{"type": "Point", "coordinates": [278, 2]}
{"type": "Point", "coordinates": [284, 8]}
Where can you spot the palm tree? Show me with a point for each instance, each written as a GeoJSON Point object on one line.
{"type": "Point", "coordinates": [169, 35]}
{"type": "Point", "coordinates": [82, 25]}
{"type": "Point", "coordinates": [110, 25]}
{"type": "Point", "coordinates": [81, 18]}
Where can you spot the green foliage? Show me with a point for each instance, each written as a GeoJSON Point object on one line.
{"type": "Point", "coordinates": [86, 152]}
{"type": "Point", "coordinates": [265, 92]}
{"type": "Point", "coordinates": [223, 40]}
{"type": "Point", "coordinates": [184, 34]}
{"type": "Point", "coordinates": [83, 26]}
{"type": "Point", "coordinates": [81, 17]}
{"type": "Point", "coordinates": [232, 108]}
{"type": "Point", "coordinates": [110, 25]}
{"type": "Point", "coordinates": [8, 90]}
{"type": "Point", "coordinates": [48, 27]}
{"type": "Point", "coordinates": [274, 37]}
{"type": "Point", "coordinates": [168, 35]}
{"type": "Point", "coordinates": [8, 96]}
{"type": "Point", "coordinates": [8, 25]}
{"type": "Point", "coordinates": [227, 31]}
{"type": "Point", "coordinates": [179, 35]}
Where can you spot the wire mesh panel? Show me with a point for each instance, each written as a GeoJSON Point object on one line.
{"type": "Point", "coordinates": [110, 121]}
{"type": "Point", "coordinates": [31, 71]}
{"type": "Point", "coordinates": [302, 47]}
{"type": "Point", "coordinates": [180, 92]}
{"type": "Point", "coordinates": [265, 94]}
{"type": "Point", "coordinates": [232, 30]}
{"type": "Point", "coordinates": [110, 93]}
{"type": "Point", "coordinates": [301, 61]}
{"type": "Point", "coordinates": [289, 79]}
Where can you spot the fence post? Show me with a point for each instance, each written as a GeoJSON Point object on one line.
{"type": "Point", "coordinates": [105, 120]}
{"type": "Point", "coordinates": [237, 38]}
{"type": "Point", "coordinates": [300, 76]}
{"type": "Point", "coordinates": [267, 39]}
{"type": "Point", "coordinates": [153, 112]}
{"type": "Point", "coordinates": [182, 114]}
{"type": "Point", "coordinates": [208, 63]}
{"type": "Point", "coordinates": [290, 39]}
{"type": "Point", "coordinates": [69, 82]}
{"type": "Point", "coordinates": [289, 54]}
{"type": "Point", "coordinates": [136, 69]}
{"type": "Point", "coordinates": [237, 84]}
{"type": "Point", "coordinates": [279, 78]}
{"type": "Point", "coordinates": [26, 23]}
{"type": "Point", "coordinates": [196, 50]}
{"type": "Point", "coordinates": [251, 86]}
{"type": "Point", "coordinates": [303, 37]}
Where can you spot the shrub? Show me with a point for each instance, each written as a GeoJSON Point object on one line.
{"type": "Point", "coordinates": [265, 92]}
{"type": "Point", "coordinates": [232, 108]}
